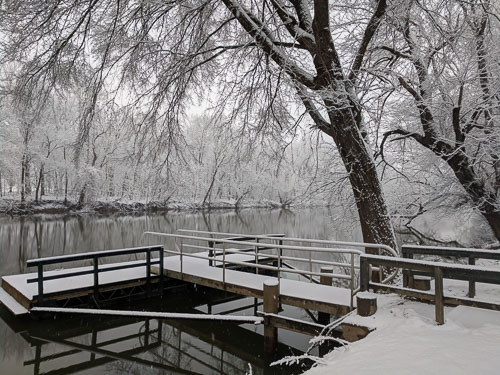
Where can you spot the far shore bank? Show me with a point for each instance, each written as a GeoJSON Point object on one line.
{"type": "Point", "coordinates": [13, 207]}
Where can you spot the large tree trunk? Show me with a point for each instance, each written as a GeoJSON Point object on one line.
{"type": "Point", "coordinates": [374, 218]}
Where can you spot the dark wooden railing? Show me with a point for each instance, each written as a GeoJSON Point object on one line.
{"type": "Point", "coordinates": [96, 270]}
{"type": "Point", "coordinates": [409, 251]}
{"type": "Point", "coordinates": [439, 271]}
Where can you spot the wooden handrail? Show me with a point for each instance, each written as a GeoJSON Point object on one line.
{"type": "Point", "coordinates": [439, 270]}
{"type": "Point", "coordinates": [408, 251]}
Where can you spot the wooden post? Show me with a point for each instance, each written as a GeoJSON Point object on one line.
{"type": "Point", "coordinates": [271, 305]}
{"type": "Point", "coordinates": [40, 285]}
{"type": "Point", "coordinates": [324, 318]}
{"type": "Point", "coordinates": [364, 274]}
{"type": "Point", "coordinates": [438, 279]}
{"type": "Point", "coordinates": [366, 303]}
{"type": "Point", "coordinates": [472, 284]}
{"type": "Point", "coordinates": [407, 274]}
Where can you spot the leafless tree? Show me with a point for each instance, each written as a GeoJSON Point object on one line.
{"type": "Point", "coordinates": [265, 60]}
{"type": "Point", "coordinates": [447, 61]}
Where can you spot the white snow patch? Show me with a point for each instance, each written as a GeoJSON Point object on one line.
{"type": "Point", "coordinates": [408, 341]}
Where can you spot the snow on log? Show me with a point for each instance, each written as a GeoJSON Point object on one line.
{"type": "Point", "coordinates": [151, 314]}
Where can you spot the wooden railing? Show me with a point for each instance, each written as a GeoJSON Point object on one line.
{"type": "Point", "coordinates": [96, 270]}
{"type": "Point", "coordinates": [439, 271]}
{"type": "Point", "coordinates": [409, 251]}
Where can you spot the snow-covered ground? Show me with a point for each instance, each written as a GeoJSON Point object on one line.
{"type": "Point", "coordinates": [407, 339]}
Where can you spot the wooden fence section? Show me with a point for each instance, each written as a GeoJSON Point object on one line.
{"type": "Point", "coordinates": [409, 251]}
{"type": "Point", "coordinates": [96, 270]}
{"type": "Point", "coordinates": [439, 271]}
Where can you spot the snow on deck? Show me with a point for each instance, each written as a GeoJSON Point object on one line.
{"type": "Point", "coordinates": [288, 288]}
{"type": "Point", "coordinates": [19, 282]}
{"type": "Point", "coordinates": [292, 289]}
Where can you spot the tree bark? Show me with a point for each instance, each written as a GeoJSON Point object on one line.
{"type": "Point", "coordinates": [375, 221]}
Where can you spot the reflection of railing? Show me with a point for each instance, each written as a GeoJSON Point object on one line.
{"type": "Point", "coordinates": [439, 271]}
{"type": "Point", "coordinates": [96, 270]}
{"type": "Point", "coordinates": [279, 258]}
{"type": "Point", "coordinates": [147, 337]}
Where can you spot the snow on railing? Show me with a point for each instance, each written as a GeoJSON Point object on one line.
{"type": "Point", "coordinates": [277, 244]}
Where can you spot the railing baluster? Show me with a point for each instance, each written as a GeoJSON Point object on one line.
{"type": "Point", "coordinates": [148, 272]}
{"type": "Point", "coordinates": [182, 274]}
{"type": "Point", "coordinates": [96, 278]}
{"type": "Point", "coordinates": [161, 271]}
{"type": "Point", "coordinates": [279, 268]}
{"type": "Point", "coordinates": [280, 243]}
{"type": "Point", "coordinates": [224, 264]}
{"type": "Point", "coordinates": [211, 253]}
{"type": "Point", "coordinates": [257, 256]}
{"type": "Point", "coordinates": [310, 265]}
{"type": "Point", "coordinates": [40, 285]}
{"type": "Point", "coordinates": [352, 282]}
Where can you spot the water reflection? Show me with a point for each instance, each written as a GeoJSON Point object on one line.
{"type": "Point", "coordinates": [23, 238]}
{"type": "Point", "coordinates": [121, 345]}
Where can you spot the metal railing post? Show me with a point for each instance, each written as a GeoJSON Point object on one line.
{"type": "Point", "coordinates": [224, 264]}
{"type": "Point", "coordinates": [40, 285]}
{"type": "Point", "coordinates": [352, 281]}
{"type": "Point", "coordinates": [182, 269]}
{"type": "Point", "coordinates": [280, 243]}
{"type": "Point", "coordinates": [257, 256]}
{"type": "Point", "coordinates": [279, 268]}
{"type": "Point", "coordinates": [96, 278]}
{"type": "Point", "coordinates": [161, 271]}
{"type": "Point", "coordinates": [380, 273]}
{"type": "Point", "coordinates": [148, 272]}
{"type": "Point", "coordinates": [310, 265]}
{"type": "Point", "coordinates": [210, 253]}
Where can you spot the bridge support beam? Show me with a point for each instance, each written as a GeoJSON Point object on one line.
{"type": "Point", "coordinates": [271, 305]}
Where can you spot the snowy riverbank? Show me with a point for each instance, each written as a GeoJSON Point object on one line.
{"type": "Point", "coordinates": [408, 341]}
{"type": "Point", "coordinates": [56, 206]}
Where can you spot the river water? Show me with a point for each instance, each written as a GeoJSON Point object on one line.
{"type": "Point", "coordinates": [131, 346]}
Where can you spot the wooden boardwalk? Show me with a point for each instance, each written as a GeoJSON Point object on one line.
{"type": "Point", "coordinates": [323, 298]}
{"type": "Point", "coordinates": [26, 294]}
{"type": "Point", "coordinates": [19, 296]}
{"type": "Point", "coordinates": [240, 265]}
